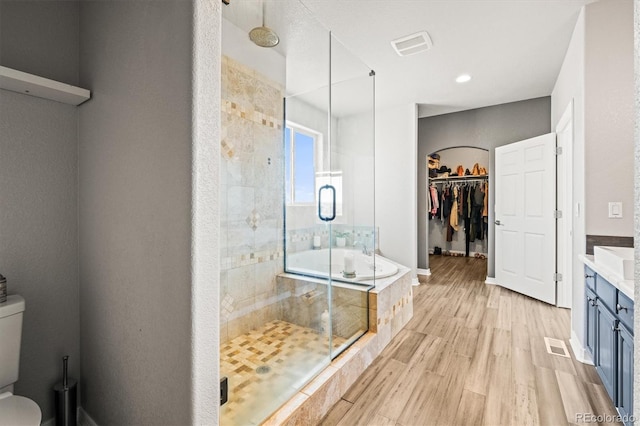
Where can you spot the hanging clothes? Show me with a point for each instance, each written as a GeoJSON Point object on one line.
{"type": "Point", "coordinates": [471, 231]}
{"type": "Point", "coordinates": [453, 219]}
{"type": "Point", "coordinates": [441, 197]}
{"type": "Point", "coordinates": [447, 197]}
{"type": "Point", "coordinates": [435, 205]}
{"type": "Point", "coordinates": [476, 213]}
{"type": "Point", "coordinates": [485, 210]}
{"type": "Point", "coordinates": [466, 197]}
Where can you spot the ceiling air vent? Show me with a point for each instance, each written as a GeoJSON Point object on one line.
{"type": "Point", "coordinates": [413, 43]}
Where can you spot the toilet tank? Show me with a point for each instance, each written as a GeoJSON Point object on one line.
{"type": "Point", "coordinates": [10, 337]}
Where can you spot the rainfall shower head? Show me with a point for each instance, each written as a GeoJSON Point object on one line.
{"type": "Point", "coordinates": [264, 36]}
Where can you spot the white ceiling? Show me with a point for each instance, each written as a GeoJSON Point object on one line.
{"type": "Point", "coordinates": [513, 49]}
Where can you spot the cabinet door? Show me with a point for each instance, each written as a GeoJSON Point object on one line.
{"type": "Point", "coordinates": [605, 348]}
{"type": "Point", "coordinates": [625, 372]}
{"type": "Point", "coordinates": [591, 323]}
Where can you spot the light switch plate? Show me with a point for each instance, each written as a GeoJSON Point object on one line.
{"type": "Point", "coordinates": [615, 210]}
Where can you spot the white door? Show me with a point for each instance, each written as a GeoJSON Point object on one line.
{"type": "Point", "coordinates": [525, 176]}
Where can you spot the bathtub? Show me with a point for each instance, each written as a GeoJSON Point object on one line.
{"type": "Point", "coordinates": [315, 263]}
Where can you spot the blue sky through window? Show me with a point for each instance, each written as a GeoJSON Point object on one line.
{"type": "Point", "coordinates": [304, 168]}
{"type": "Point", "coordinates": [300, 166]}
{"type": "Point", "coordinates": [287, 165]}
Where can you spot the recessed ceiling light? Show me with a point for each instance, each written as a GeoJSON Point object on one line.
{"type": "Point", "coordinates": [463, 78]}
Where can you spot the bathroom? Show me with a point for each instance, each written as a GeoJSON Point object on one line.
{"type": "Point", "coordinates": [127, 280]}
{"type": "Point", "coordinates": [131, 280]}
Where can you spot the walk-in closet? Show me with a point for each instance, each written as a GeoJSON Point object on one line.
{"type": "Point", "coordinates": [457, 207]}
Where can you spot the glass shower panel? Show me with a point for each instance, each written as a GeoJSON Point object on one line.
{"type": "Point", "coordinates": [351, 157]}
{"type": "Point", "coordinates": [297, 197]}
{"type": "Point", "coordinates": [273, 340]}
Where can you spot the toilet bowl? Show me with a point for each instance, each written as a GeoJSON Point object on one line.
{"type": "Point", "coordinates": [18, 411]}
{"type": "Point", "coordinates": [14, 410]}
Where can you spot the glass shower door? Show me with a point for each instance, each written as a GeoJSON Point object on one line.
{"type": "Point", "coordinates": [330, 235]}
{"type": "Point", "coordinates": [351, 173]}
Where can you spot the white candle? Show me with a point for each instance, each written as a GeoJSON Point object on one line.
{"type": "Point", "coordinates": [348, 263]}
{"type": "Point", "coordinates": [316, 240]}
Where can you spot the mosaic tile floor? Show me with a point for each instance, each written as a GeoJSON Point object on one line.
{"type": "Point", "coordinates": [292, 355]}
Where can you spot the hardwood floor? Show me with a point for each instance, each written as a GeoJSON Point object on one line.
{"type": "Point", "coordinates": [473, 355]}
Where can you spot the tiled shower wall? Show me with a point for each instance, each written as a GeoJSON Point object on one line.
{"type": "Point", "coordinates": [251, 198]}
{"type": "Point", "coordinates": [301, 239]}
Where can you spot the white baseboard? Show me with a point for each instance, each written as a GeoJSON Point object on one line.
{"type": "Point", "coordinates": [578, 350]}
{"type": "Point", "coordinates": [424, 272]}
{"type": "Point", "coordinates": [491, 281]}
{"type": "Point", "coordinates": [84, 419]}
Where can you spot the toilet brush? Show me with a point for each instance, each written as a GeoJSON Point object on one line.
{"type": "Point", "coordinates": [66, 394]}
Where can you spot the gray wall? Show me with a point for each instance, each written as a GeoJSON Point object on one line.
{"type": "Point", "coordinates": [135, 212]}
{"type": "Point", "coordinates": [38, 192]}
{"type": "Point", "coordinates": [41, 37]}
{"type": "Point", "coordinates": [485, 128]}
{"type": "Point", "coordinates": [608, 121]}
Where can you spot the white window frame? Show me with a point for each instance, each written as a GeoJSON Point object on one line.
{"type": "Point", "coordinates": [318, 160]}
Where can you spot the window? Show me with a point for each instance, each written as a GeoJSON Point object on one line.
{"type": "Point", "coordinates": [303, 160]}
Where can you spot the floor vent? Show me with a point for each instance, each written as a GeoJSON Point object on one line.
{"type": "Point", "coordinates": [556, 347]}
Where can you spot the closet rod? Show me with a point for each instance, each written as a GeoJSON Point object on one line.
{"type": "Point", "coordinates": [460, 179]}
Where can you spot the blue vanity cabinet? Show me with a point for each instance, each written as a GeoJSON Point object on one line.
{"type": "Point", "coordinates": [609, 339]}
{"type": "Point", "coordinates": [625, 373]}
{"type": "Point", "coordinates": [606, 341]}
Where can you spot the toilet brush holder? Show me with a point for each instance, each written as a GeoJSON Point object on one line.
{"type": "Point", "coordinates": [3, 289]}
{"type": "Point", "coordinates": [66, 393]}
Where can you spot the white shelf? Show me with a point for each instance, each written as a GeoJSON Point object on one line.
{"type": "Point", "coordinates": [459, 178]}
{"type": "Point", "coordinates": [33, 85]}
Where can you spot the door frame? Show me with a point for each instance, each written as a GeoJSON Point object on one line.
{"type": "Point", "coordinates": [564, 242]}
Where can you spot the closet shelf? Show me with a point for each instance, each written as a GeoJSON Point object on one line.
{"type": "Point", "coordinates": [459, 178]}
{"type": "Point", "coordinates": [33, 85]}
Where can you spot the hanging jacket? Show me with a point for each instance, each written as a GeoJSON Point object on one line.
{"type": "Point", "coordinates": [446, 208]}
{"type": "Point", "coordinates": [453, 218]}
{"type": "Point", "coordinates": [478, 197]}
{"type": "Point", "coordinates": [485, 210]}
{"type": "Point", "coordinates": [435, 205]}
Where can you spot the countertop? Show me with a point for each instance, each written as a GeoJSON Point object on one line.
{"type": "Point", "coordinates": [625, 286]}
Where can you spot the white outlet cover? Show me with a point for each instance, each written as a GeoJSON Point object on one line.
{"type": "Point", "coordinates": [615, 210]}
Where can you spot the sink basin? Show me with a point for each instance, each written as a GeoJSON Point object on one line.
{"type": "Point", "coordinates": [618, 260]}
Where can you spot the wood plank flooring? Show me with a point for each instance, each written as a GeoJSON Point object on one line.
{"type": "Point", "coordinates": [473, 354]}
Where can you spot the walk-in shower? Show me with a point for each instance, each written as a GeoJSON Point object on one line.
{"type": "Point", "coordinates": [297, 190]}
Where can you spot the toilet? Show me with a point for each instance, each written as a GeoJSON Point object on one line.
{"type": "Point", "coordinates": [14, 410]}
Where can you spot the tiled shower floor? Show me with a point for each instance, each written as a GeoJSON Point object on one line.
{"type": "Point", "coordinates": [293, 355]}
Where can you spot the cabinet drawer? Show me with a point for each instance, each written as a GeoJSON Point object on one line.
{"type": "Point", "coordinates": [589, 278]}
{"type": "Point", "coordinates": [606, 292]}
{"type": "Point", "coordinates": [625, 315]}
